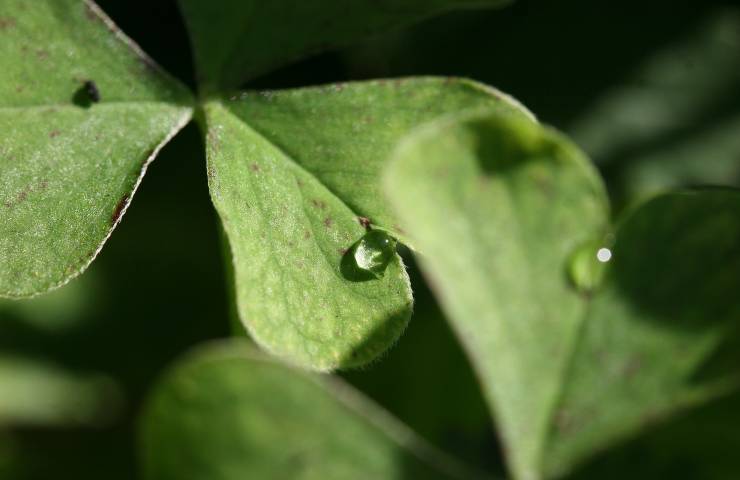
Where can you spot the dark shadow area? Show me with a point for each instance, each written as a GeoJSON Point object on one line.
{"type": "Point", "coordinates": [318, 69]}
{"type": "Point", "coordinates": [701, 445]}
{"type": "Point", "coordinates": [157, 27]}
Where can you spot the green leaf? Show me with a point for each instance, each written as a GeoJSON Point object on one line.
{"type": "Point", "coordinates": [501, 208]}
{"type": "Point", "coordinates": [234, 41]}
{"type": "Point", "coordinates": [662, 333]}
{"type": "Point", "coordinates": [70, 165]}
{"type": "Point", "coordinates": [35, 393]}
{"type": "Point", "coordinates": [228, 412]}
{"type": "Point", "coordinates": [294, 176]}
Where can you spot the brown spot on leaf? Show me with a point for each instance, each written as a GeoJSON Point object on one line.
{"type": "Point", "coordinates": [306, 234]}
{"type": "Point", "coordinates": [22, 196]}
{"type": "Point", "coordinates": [254, 167]}
{"type": "Point", "coordinates": [42, 54]}
{"type": "Point", "coordinates": [120, 207]}
{"type": "Point", "coordinates": [318, 204]}
{"type": "Point", "coordinates": [7, 23]}
{"type": "Point", "coordinates": [365, 222]}
{"type": "Point", "coordinates": [54, 133]}
{"type": "Point", "coordinates": [328, 222]}
{"type": "Point", "coordinates": [342, 251]}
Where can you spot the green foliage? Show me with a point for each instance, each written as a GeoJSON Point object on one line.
{"type": "Point", "coordinates": [69, 166]}
{"type": "Point", "coordinates": [586, 335]}
{"type": "Point", "coordinates": [295, 223]}
{"type": "Point", "coordinates": [228, 412]}
{"type": "Point", "coordinates": [645, 342]}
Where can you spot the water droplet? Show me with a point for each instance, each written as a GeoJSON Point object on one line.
{"type": "Point", "coordinates": [374, 252]}
{"type": "Point", "coordinates": [586, 265]}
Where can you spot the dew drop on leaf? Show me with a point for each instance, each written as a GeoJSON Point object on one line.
{"type": "Point", "coordinates": [374, 251]}
{"type": "Point", "coordinates": [586, 265]}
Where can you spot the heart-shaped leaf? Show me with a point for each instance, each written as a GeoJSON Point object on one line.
{"type": "Point", "coordinates": [237, 40]}
{"type": "Point", "coordinates": [504, 211]}
{"type": "Point", "coordinates": [294, 176]}
{"type": "Point", "coordinates": [82, 113]}
{"type": "Point", "coordinates": [227, 412]}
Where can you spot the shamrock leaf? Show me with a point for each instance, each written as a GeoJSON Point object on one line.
{"type": "Point", "coordinates": [228, 412]}
{"type": "Point", "coordinates": [82, 113]}
{"type": "Point", "coordinates": [520, 204]}
{"type": "Point", "coordinates": [294, 176]}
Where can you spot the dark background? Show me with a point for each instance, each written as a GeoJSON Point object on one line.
{"type": "Point", "coordinates": [158, 286]}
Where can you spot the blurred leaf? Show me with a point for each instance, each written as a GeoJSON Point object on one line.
{"type": "Point", "coordinates": [62, 310]}
{"type": "Point", "coordinates": [292, 174]}
{"type": "Point", "coordinates": [227, 412]}
{"type": "Point", "coordinates": [70, 164]}
{"type": "Point", "coordinates": [234, 41]}
{"type": "Point", "coordinates": [499, 206]}
{"type": "Point", "coordinates": [675, 119]}
{"type": "Point", "coordinates": [39, 394]}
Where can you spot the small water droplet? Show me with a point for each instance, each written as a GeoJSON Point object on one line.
{"type": "Point", "coordinates": [586, 265]}
{"type": "Point", "coordinates": [374, 252]}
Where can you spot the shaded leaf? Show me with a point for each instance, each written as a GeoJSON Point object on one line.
{"type": "Point", "coordinates": [662, 334]}
{"type": "Point", "coordinates": [70, 164]}
{"type": "Point", "coordinates": [228, 412]}
{"type": "Point", "coordinates": [499, 206]}
{"type": "Point", "coordinates": [294, 176]}
{"type": "Point", "coordinates": [235, 40]}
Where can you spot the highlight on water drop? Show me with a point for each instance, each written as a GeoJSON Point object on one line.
{"type": "Point", "coordinates": [586, 265]}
